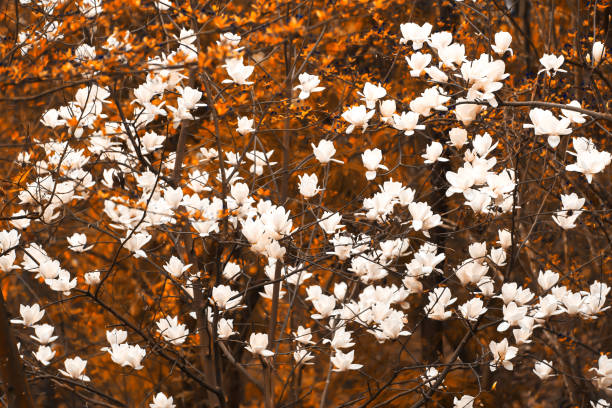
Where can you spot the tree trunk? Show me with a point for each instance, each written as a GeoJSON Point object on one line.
{"type": "Point", "coordinates": [11, 370]}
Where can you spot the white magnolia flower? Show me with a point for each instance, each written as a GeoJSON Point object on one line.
{"type": "Point", "coordinates": [543, 369]}
{"type": "Point", "coordinates": [44, 354]}
{"type": "Point", "coordinates": [77, 242]}
{"type": "Point", "coordinates": [225, 298]}
{"type": "Point", "coordinates": [92, 278]}
{"type": "Point", "coordinates": [330, 222]}
{"type": "Point", "coordinates": [175, 267]}
{"type": "Point", "coordinates": [357, 116]}
{"type": "Point", "coordinates": [127, 355]}
{"type": "Point", "coordinates": [472, 309]}
{"type": "Point", "coordinates": [302, 356]}
{"type": "Point", "coordinates": [30, 315]}
{"type": "Point", "coordinates": [415, 33]}
{"type": "Point", "coordinates": [407, 122]}
{"type": "Point", "coordinates": [225, 328]}
{"type": "Point", "coordinates": [308, 84]}
{"type": "Point", "coordinates": [502, 354]}
{"type": "Point", "coordinates": [161, 401]}
{"type": "Point", "coordinates": [44, 334]}
{"type": "Point", "coordinates": [229, 39]}
{"type": "Point", "coordinates": [344, 361]}
{"type": "Point", "coordinates": [245, 126]}
{"type": "Point", "coordinates": [458, 137]}
{"type": "Point", "coordinates": [433, 153]}
{"type": "Point", "coordinates": [308, 185]}
{"type": "Point", "coordinates": [74, 368]}
{"type": "Point", "coordinates": [545, 123]}
{"type": "Point", "coordinates": [171, 330]}
{"type": "Point", "coordinates": [598, 52]}
{"type": "Point", "coordinates": [589, 161]}
{"type": "Point", "coordinates": [466, 401]}
{"type": "Point", "coordinates": [238, 71]}
{"type": "Point", "coordinates": [502, 43]}
{"type": "Point", "coordinates": [572, 115]}
{"type": "Point", "coordinates": [552, 63]}
{"type": "Point", "coordinates": [418, 62]}
{"type": "Point", "coordinates": [325, 151]}
{"type": "Point", "coordinates": [371, 94]}
{"type": "Point", "coordinates": [258, 343]}
{"type": "Point", "coordinates": [387, 109]}
{"type": "Point", "coordinates": [371, 161]}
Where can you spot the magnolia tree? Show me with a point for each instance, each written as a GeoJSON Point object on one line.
{"type": "Point", "coordinates": [305, 204]}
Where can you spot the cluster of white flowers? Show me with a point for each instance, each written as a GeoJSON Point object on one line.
{"type": "Point", "coordinates": [364, 298]}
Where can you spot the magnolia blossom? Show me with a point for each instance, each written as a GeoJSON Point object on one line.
{"type": "Point", "coordinates": [135, 242]}
{"type": "Point", "coordinates": [371, 161]}
{"type": "Point", "coordinates": [258, 343]}
{"type": "Point", "coordinates": [440, 40]}
{"type": "Point", "coordinates": [430, 377]}
{"type": "Point", "coordinates": [344, 361]}
{"type": "Point", "coordinates": [224, 297]}
{"type": "Point", "coordinates": [418, 62]}
{"type": "Point", "coordinates": [572, 115]}
{"type": "Point", "coordinates": [91, 8]}
{"type": "Point", "coordinates": [175, 267]}
{"type": "Point", "coordinates": [502, 43]}
{"type": "Point", "coordinates": [545, 123]}
{"type": "Point", "coordinates": [371, 94]}
{"type": "Point", "coordinates": [422, 216]}
{"type": "Point", "coordinates": [44, 334]}
{"type": "Point", "coordinates": [245, 126]}
{"type": "Point", "coordinates": [324, 306]}
{"type": "Point", "coordinates": [387, 109]}
{"type": "Point", "coordinates": [44, 354]}
{"type": "Point", "coordinates": [237, 71]}
{"type": "Point", "coordinates": [598, 52]}
{"type": "Point", "coordinates": [566, 221]}
{"type": "Point", "coordinates": [77, 242]}
{"type": "Point", "coordinates": [433, 152]}
{"type": "Point", "coordinates": [502, 354]}
{"type": "Point", "coordinates": [407, 122]}
{"type": "Point", "coordinates": [357, 116]}
{"type": "Point", "coordinates": [342, 339]}
{"type": "Point", "coordinates": [74, 368]}
{"type": "Point", "coordinates": [325, 151]}
{"type": "Point", "coordinates": [127, 355]}
{"type": "Point", "coordinates": [415, 33]}
{"type": "Point", "coordinates": [330, 222]}
{"type": "Point", "coordinates": [543, 369]}
{"type": "Point", "coordinates": [308, 185]}
{"type": "Point", "coordinates": [302, 356]}
{"type": "Point", "coordinates": [458, 137]}
{"type": "Point", "coordinates": [466, 112]}
{"type": "Point", "coordinates": [603, 373]}
{"type": "Point", "coordinates": [161, 401]}
{"type": "Point", "coordinates": [171, 330]}
{"type": "Point", "coordinates": [589, 161]}
{"type": "Point", "coordinates": [436, 74]}
{"type": "Point", "coordinates": [30, 315]}
{"type": "Point", "coordinates": [547, 279]}
{"type": "Point", "coordinates": [303, 336]}
{"type": "Point", "coordinates": [225, 328]}
{"type": "Point", "coordinates": [466, 401]}
{"type": "Point", "coordinates": [229, 39]}
{"type": "Point", "coordinates": [472, 309]}
{"type": "Point", "coordinates": [552, 63]}
{"type": "Point", "coordinates": [308, 84]}
{"type": "Point", "coordinates": [92, 278]}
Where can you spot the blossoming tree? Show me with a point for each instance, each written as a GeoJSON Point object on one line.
{"type": "Point", "coordinates": [305, 203]}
